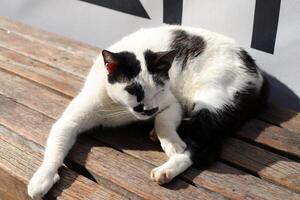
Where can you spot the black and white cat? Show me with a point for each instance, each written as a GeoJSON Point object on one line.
{"type": "Point", "coordinates": [166, 73]}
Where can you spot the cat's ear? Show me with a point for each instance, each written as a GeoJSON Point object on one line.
{"type": "Point", "coordinates": [110, 61]}
{"type": "Point", "coordinates": [165, 59]}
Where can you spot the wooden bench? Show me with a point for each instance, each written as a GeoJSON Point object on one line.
{"type": "Point", "coordinates": [41, 72]}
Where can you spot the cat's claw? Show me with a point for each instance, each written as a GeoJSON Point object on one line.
{"type": "Point", "coordinates": [171, 147]}
{"type": "Point", "coordinates": [41, 182]}
{"type": "Point", "coordinates": [162, 175]}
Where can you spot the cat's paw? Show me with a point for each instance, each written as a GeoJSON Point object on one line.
{"type": "Point", "coordinates": [153, 135]}
{"type": "Point", "coordinates": [162, 174]}
{"type": "Point", "coordinates": [171, 147]}
{"type": "Point", "coordinates": [41, 182]}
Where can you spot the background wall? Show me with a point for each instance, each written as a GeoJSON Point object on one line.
{"type": "Point", "coordinates": [268, 29]}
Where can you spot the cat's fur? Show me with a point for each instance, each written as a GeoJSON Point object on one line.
{"type": "Point", "coordinates": [166, 73]}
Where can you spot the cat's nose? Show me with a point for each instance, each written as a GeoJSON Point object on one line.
{"type": "Point", "coordinates": [150, 111]}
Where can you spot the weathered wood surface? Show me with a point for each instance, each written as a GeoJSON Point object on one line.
{"type": "Point", "coordinates": [285, 118]}
{"type": "Point", "coordinates": [40, 73]}
{"type": "Point", "coordinates": [44, 37]}
{"type": "Point", "coordinates": [19, 161]}
{"type": "Point", "coordinates": [271, 136]}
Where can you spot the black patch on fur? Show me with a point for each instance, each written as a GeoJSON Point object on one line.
{"type": "Point", "coordinates": [187, 46]}
{"type": "Point", "coordinates": [159, 75]}
{"type": "Point", "coordinates": [129, 67]}
{"type": "Point", "coordinates": [139, 108]}
{"type": "Point", "coordinates": [249, 62]}
{"type": "Point", "coordinates": [206, 131]}
{"type": "Point", "coordinates": [151, 111]}
{"type": "Point", "coordinates": [137, 90]}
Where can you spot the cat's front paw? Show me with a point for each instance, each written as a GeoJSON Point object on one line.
{"type": "Point", "coordinates": [41, 182]}
{"type": "Point", "coordinates": [171, 147]}
{"type": "Point", "coordinates": [162, 175]}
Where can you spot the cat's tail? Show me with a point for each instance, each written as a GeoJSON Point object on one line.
{"type": "Point", "coordinates": [205, 131]}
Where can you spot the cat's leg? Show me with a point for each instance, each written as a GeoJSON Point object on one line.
{"type": "Point", "coordinates": [176, 164]}
{"type": "Point", "coordinates": [79, 116]}
{"type": "Point", "coordinates": [166, 124]}
{"type": "Point", "coordinates": [165, 127]}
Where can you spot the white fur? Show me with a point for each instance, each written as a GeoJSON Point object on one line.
{"type": "Point", "coordinates": [210, 80]}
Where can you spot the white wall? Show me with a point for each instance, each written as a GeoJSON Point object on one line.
{"type": "Point", "coordinates": [101, 26]}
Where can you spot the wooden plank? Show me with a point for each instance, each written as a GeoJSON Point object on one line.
{"type": "Point", "coordinates": [154, 157]}
{"type": "Point", "coordinates": [19, 161]}
{"type": "Point", "coordinates": [131, 170]}
{"type": "Point", "coordinates": [25, 92]}
{"type": "Point", "coordinates": [267, 165]}
{"type": "Point", "coordinates": [271, 136]}
{"type": "Point", "coordinates": [240, 185]}
{"type": "Point", "coordinates": [37, 127]}
{"type": "Point", "coordinates": [282, 117]}
{"type": "Point", "coordinates": [220, 178]}
{"type": "Point", "coordinates": [45, 37]}
{"type": "Point", "coordinates": [39, 72]}
{"type": "Point", "coordinates": [57, 58]}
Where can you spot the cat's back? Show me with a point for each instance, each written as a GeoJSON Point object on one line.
{"type": "Point", "coordinates": [161, 39]}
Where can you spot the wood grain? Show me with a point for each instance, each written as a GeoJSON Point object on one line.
{"type": "Point", "coordinates": [267, 165]}
{"type": "Point", "coordinates": [50, 55]}
{"type": "Point", "coordinates": [30, 94]}
{"type": "Point", "coordinates": [45, 37]}
{"type": "Point", "coordinates": [133, 173]}
{"type": "Point", "coordinates": [282, 117]}
{"type": "Point", "coordinates": [271, 136]}
{"type": "Point", "coordinates": [17, 164]}
{"type": "Point", "coordinates": [221, 178]}
{"type": "Point", "coordinates": [39, 72]}
{"type": "Point", "coordinates": [239, 185]}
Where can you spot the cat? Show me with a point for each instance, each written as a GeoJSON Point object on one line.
{"type": "Point", "coordinates": [197, 86]}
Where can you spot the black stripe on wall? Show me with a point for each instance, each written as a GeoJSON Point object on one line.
{"type": "Point", "coordinates": [265, 25]}
{"type": "Point", "coordinates": [133, 7]}
{"type": "Point", "coordinates": [173, 11]}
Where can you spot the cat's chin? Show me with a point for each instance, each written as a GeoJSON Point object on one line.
{"type": "Point", "coordinates": [142, 117]}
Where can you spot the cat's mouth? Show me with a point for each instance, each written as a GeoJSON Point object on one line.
{"type": "Point", "coordinates": [141, 115]}
{"type": "Point", "coordinates": [148, 114]}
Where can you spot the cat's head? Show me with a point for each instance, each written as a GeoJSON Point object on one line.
{"type": "Point", "coordinates": [139, 84]}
